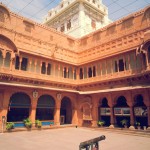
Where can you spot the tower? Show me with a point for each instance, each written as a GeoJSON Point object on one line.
{"type": "Point", "coordinates": [78, 17]}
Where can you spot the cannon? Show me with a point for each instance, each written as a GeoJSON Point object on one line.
{"type": "Point", "coordinates": [91, 144]}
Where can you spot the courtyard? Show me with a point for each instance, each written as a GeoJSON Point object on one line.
{"type": "Point", "coordinates": [69, 139]}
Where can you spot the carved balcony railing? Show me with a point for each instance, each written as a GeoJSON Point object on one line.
{"type": "Point", "coordinates": [71, 81]}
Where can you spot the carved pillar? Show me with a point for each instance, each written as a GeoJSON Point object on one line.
{"type": "Point", "coordinates": [118, 65]}
{"type": "Point", "coordinates": [57, 116]}
{"type": "Point", "coordinates": [124, 62]}
{"type": "Point", "coordinates": [94, 111]}
{"type": "Point", "coordinates": [4, 56]}
{"type": "Point", "coordinates": [100, 69]}
{"type": "Point", "coordinates": [46, 66]}
{"type": "Point", "coordinates": [40, 67]}
{"type": "Point", "coordinates": [148, 113]}
{"type": "Point", "coordinates": [4, 109]}
{"type": "Point", "coordinates": [111, 67]}
{"type": "Point", "coordinates": [57, 111]}
{"type": "Point", "coordinates": [67, 72]}
{"type": "Point", "coordinates": [129, 62]}
{"type": "Point", "coordinates": [96, 71]}
{"type": "Point", "coordinates": [130, 104]}
{"type": "Point", "coordinates": [32, 115]}
{"type": "Point", "coordinates": [12, 61]}
{"type": "Point", "coordinates": [74, 116]}
{"type": "Point", "coordinates": [30, 63]}
{"type": "Point", "coordinates": [106, 67]}
{"type": "Point", "coordinates": [73, 71]}
{"type": "Point", "coordinates": [112, 117]}
{"type": "Point", "coordinates": [147, 103]}
{"type": "Point", "coordinates": [35, 65]}
{"type": "Point", "coordinates": [146, 57]}
{"type": "Point", "coordinates": [54, 72]}
{"type": "Point", "coordinates": [78, 73]}
{"type": "Point", "coordinates": [20, 61]}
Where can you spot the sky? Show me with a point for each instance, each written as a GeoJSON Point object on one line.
{"type": "Point", "coordinates": [37, 9]}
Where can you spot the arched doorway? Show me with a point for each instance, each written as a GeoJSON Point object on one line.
{"type": "Point", "coordinates": [121, 111]}
{"type": "Point", "coordinates": [45, 109]}
{"type": "Point", "coordinates": [104, 111]}
{"type": "Point", "coordinates": [66, 111]}
{"type": "Point", "coordinates": [140, 111]}
{"type": "Point", "coordinates": [19, 107]}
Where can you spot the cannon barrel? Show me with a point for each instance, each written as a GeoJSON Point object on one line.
{"type": "Point", "coordinates": [89, 142]}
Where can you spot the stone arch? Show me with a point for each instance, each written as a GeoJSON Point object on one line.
{"type": "Point", "coordinates": [104, 111]}
{"type": "Point", "coordinates": [45, 107]}
{"type": "Point", "coordinates": [104, 102]}
{"type": "Point", "coordinates": [140, 110]}
{"type": "Point", "coordinates": [118, 98]}
{"type": "Point", "coordinates": [7, 44]}
{"type": "Point", "coordinates": [19, 107]}
{"type": "Point", "coordinates": [121, 110]}
{"type": "Point", "coordinates": [138, 100]}
{"type": "Point", "coordinates": [66, 110]}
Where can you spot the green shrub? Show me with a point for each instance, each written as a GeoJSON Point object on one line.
{"type": "Point", "coordinates": [38, 123]}
{"type": "Point", "coordinates": [27, 123]}
{"type": "Point", "coordinates": [9, 125]}
{"type": "Point", "coordinates": [124, 122]}
{"type": "Point", "coordinates": [101, 122]}
{"type": "Point", "coordinates": [137, 123]}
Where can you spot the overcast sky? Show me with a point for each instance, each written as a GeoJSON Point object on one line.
{"type": "Point", "coordinates": [37, 9]}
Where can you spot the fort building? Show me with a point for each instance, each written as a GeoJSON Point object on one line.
{"type": "Point", "coordinates": [60, 79]}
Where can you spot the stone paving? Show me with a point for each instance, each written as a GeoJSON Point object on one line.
{"type": "Point", "coordinates": [69, 139]}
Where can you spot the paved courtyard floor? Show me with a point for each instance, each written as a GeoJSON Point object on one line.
{"type": "Point", "coordinates": [69, 139]}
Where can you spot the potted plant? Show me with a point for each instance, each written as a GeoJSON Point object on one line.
{"type": "Point", "coordinates": [38, 123]}
{"type": "Point", "coordinates": [138, 125]}
{"type": "Point", "coordinates": [9, 126]}
{"type": "Point", "coordinates": [124, 122]}
{"type": "Point", "coordinates": [27, 123]}
{"type": "Point", "coordinates": [101, 123]}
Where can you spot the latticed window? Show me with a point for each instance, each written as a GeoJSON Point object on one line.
{"type": "Point", "coordinates": [2, 17]}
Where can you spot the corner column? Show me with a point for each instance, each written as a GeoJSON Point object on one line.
{"type": "Point", "coordinates": [94, 112]}
{"type": "Point", "coordinates": [33, 110]}
{"type": "Point", "coordinates": [57, 110]}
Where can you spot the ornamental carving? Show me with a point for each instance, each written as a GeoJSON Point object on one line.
{"type": "Point", "coordinates": [86, 108]}
{"type": "Point", "coordinates": [4, 14]}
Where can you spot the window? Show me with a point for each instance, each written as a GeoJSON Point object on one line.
{"type": "Point", "coordinates": [90, 72]}
{"type": "Point", "coordinates": [121, 65]}
{"type": "Point", "coordinates": [17, 63]}
{"type": "Point", "coordinates": [69, 25]}
{"type": "Point", "coordinates": [116, 66]}
{"type": "Point", "coordinates": [62, 28]}
{"type": "Point", "coordinates": [81, 73]}
{"type": "Point", "coordinates": [24, 64]}
{"type": "Point", "coordinates": [43, 69]}
{"type": "Point", "coordinates": [93, 24]}
{"type": "Point", "coordinates": [49, 69]}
